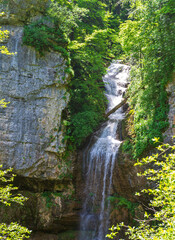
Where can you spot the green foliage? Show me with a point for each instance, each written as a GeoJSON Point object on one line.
{"type": "Point", "coordinates": [118, 12]}
{"type": "Point", "coordinates": [97, 17]}
{"type": "Point", "coordinates": [44, 37]}
{"type": "Point", "coordinates": [50, 196]}
{"type": "Point", "coordinates": [83, 124]}
{"type": "Point", "coordinates": [94, 42]}
{"type": "Point", "coordinates": [12, 231]}
{"type": "Point", "coordinates": [87, 93]}
{"type": "Point", "coordinates": [88, 103]}
{"type": "Point", "coordinates": [127, 146]}
{"type": "Point", "coordinates": [6, 192]}
{"type": "Point", "coordinates": [129, 205]}
{"type": "Point", "coordinates": [86, 23]}
{"type": "Point", "coordinates": [68, 235]}
{"type": "Point", "coordinates": [159, 222]}
{"type": "Point", "coordinates": [148, 39]}
{"type": "Point", "coordinates": [3, 104]}
{"type": "Point", "coordinates": [117, 201]}
{"type": "Point", "coordinates": [67, 14]}
{"type": "Point", "coordinates": [3, 36]}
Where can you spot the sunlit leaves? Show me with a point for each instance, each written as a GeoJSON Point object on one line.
{"type": "Point", "coordinates": [8, 195]}
{"type": "Point", "coordinates": [158, 224]}
{"type": "Point", "coordinates": [3, 35]}
{"type": "Point", "coordinates": [13, 231]}
{"type": "Point", "coordinates": [148, 39]}
{"type": "Point", "coordinates": [3, 103]}
{"type": "Point", "coordinates": [67, 14]}
{"type": "Point", "coordinates": [6, 192]}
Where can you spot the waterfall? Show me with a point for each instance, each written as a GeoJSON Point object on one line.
{"type": "Point", "coordinates": [99, 159]}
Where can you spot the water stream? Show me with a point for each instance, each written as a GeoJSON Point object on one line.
{"type": "Point", "coordinates": [99, 159]}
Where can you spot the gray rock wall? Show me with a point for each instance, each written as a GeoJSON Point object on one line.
{"type": "Point", "coordinates": [31, 132]}
{"type": "Point", "coordinates": [30, 127]}
{"type": "Point", "coordinates": [19, 12]}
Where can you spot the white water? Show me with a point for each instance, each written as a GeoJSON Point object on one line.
{"type": "Point", "coordinates": [99, 159]}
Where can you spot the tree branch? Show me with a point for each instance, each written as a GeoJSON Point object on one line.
{"type": "Point", "coordinates": [116, 107]}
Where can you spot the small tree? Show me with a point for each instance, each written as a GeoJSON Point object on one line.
{"type": "Point", "coordinates": [159, 224]}
{"type": "Point", "coordinates": [12, 231]}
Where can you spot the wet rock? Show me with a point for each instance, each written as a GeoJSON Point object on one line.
{"type": "Point", "coordinates": [119, 134]}
{"type": "Point", "coordinates": [125, 179]}
{"type": "Point", "coordinates": [43, 236]}
{"type": "Point", "coordinates": [49, 212]}
{"type": "Point", "coordinates": [120, 215]}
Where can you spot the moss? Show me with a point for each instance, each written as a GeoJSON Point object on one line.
{"type": "Point", "coordinates": [21, 11]}
{"type": "Point", "coordinates": [68, 235]}
{"type": "Point", "coordinates": [119, 201]}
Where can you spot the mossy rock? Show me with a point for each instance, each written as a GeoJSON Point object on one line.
{"type": "Point", "coordinates": [18, 12]}
{"type": "Point", "coordinates": [68, 235]}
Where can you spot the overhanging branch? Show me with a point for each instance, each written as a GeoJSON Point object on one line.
{"type": "Point", "coordinates": [116, 107]}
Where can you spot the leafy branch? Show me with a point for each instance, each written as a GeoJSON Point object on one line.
{"type": "Point", "coordinates": [160, 222]}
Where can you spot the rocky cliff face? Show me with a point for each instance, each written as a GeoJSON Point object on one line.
{"type": "Point", "coordinates": [31, 124]}
{"type": "Point", "coordinates": [31, 133]}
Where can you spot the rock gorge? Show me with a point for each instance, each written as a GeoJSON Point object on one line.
{"type": "Point", "coordinates": [31, 132]}
{"type": "Point", "coordinates": [31, 136]}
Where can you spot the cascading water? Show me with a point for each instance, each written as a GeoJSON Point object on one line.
{"type": "Point", "coordinates": [99, 159]}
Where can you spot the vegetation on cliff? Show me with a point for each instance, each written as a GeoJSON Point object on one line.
{"type": "Point", "coordinates": [92, 33]}
{"type": "Point", "coordinates": [3, 36]}
{"type": "Point", "coordinates": [158, 222]}
{"type": "Point", "coordinates": [92, 29]}
{"type": "Point", "coordinates": [13, 230]}
{"type": "Point", "coordinates": [7, 191]}
{"type": "Point", "coordinates": [89, 34]}
{"type": "Point", "coordinates": [147, 40]}
{"type": "Point", "coordinates": [93, 44]}
{"type": "Point", "coordinates": [45, 38]}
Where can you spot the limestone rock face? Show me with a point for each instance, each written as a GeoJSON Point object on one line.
{"type": "Point", "coordinates": [44, 212]}
{"type": "Point", "coordinates": [31, 130]}
{"type": "Point", "coordinates": [30, 127]}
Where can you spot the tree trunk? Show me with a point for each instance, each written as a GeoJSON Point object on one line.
{"type": "Point", "coordinates": [116, 107]}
